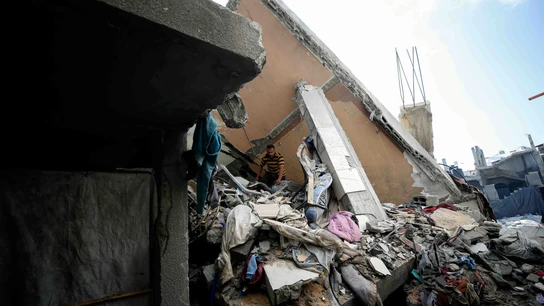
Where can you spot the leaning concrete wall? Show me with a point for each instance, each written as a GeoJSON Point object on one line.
{"type": "Point", "coordinates": [418, 120]}
{"type": "Point", "coordinates": [292, 55]}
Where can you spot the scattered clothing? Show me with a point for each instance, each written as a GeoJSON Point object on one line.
{"type": "Point", "coordinates": [344, 227]}
{"type": "Point", "coordinates": [468, 261]}
{"type": "Point", "coordinates": [253, 270]}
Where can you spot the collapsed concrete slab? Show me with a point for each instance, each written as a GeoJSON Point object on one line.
{"type": "Point", "coordinates": [418, 120]}
{"type": "Point", "coordinates": [426, 165]}
{"type": "Point", "coordinates": [284, 280]}
{"type": "Point", "coordinates": [350, 183]}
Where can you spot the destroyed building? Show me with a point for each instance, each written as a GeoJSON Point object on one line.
{"type": "Point", "coordinates": [105, 201]}
{"type": "Point", "coordinates": [503, 174]}
{"type": "Point", "coordinates": [396, 165]}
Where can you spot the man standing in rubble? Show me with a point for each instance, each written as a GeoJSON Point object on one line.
{"type": "Point", "coordinates": [275, 167]}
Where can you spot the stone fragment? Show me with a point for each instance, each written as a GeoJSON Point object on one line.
{"type": "Point", "coordinates": [243, 249]}
{"type": "Point", "coordinates": [284, 280]}
{"type": "Point", "coordinates": [215, 234]}
{"type": "Point", "coordinates": [376, 251]}
{"type": "Point", "coordinates": [505, 270]}
{"type": "Point", "coordinates": [454, 267]}
{"type": "Point", "coordinates": [264, 246]}
{"type": "Point", "coordinates": [527, 268]}
{"type": "Point", "coordinates": [209, 273]}
{"type": "Point", "coordinates": [479, 248]}
{"type": "Point", "coordinates": [532, 278]}
{"type": "Point", "coordinates": [384, 247]}
{"type": "Point", "coordinates": [269, 211]}
{"type": "Point", "coordinates": [378, 266]}
{"type": "Point", "coordinates": [539, 287]}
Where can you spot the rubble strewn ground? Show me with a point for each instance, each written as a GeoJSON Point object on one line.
{"type": "Point", "coordinates": [264, 247]}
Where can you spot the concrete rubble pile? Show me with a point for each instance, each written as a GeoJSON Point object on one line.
{"type": "Point", "coordinates": [296, 245]}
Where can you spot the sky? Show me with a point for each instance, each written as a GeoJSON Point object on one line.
{"type": "Point", "coordinates": [481, 60]}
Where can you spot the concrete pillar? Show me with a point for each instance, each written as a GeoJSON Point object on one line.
{"type": "Point", "coordinates": [479, 157]}
{"type": "Point", "coordinates": [350, 183]}
{"type": "Point", "coordinates": [171, 248]}
{"type": "Point", "coordinates": [418, 120]}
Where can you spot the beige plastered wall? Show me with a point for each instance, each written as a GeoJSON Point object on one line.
{"type": "Point", "coordinates": [268, 101]}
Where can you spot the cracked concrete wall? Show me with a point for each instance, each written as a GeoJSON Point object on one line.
{"type": "Point", "coordinates": [383, 160]}
{"type": "Point", "coordinates": [418, 120]}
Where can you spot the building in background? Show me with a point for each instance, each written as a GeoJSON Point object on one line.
{"type": "Point", "coordinates": [504, 173]}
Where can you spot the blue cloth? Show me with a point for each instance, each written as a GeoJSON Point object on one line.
{"type": "Point", "coordinates": [467, 260]}
{"type": "Point", "coordinates": [525, 201]}
{"type": "Point", "coordinates": [251, 267]}
{"type": "Point", "coordinates": [206, 147]}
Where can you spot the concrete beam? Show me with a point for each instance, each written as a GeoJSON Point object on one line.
{"type": "Point", "coordinates": [379, 113]}
{"type": "Point", "coordinates": [389, 284]}
{"type": "Point", "coordinates": [350, 183]}
{"type": "Point", "coordinates": [330, 84]}
{"type": "Point", "coordinates": [289, 123]}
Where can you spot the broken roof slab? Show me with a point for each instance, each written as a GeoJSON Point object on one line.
{"type": "Point", "coordinates": [379, 114]}
{"type": "Point", "coordinates": [350, 183]}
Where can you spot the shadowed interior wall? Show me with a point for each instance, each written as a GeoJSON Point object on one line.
{"type": "Point", "coordinates": [72, 237]}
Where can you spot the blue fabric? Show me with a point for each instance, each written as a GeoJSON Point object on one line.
{"type": "Point", "coordinates": [467, 260]}
{"type": "Point", "coordinates": [251, 267]}
{"type": "Point", "coordinates": [524, 201]}
{"type": "Point", "coordinates": [206, 147]}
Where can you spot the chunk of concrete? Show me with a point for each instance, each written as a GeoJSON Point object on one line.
{"type": "Point", "coordinates": [244, 249]}
{"type": "Point", "coordinates": [539, 287]}
{"type": "Point", "coordinates": [475, 235]}
{"type": "Point", "coordinates": [449, 219]}
{"type": "Point", "coordinates": [215, 234]}
{"type": "Point", "coordinates": [527, 268]}
{"type": "Point", "coordinates": [532, 278]}
{"type": "Point", "coordinates": [284, 280]}
{"type": "Point", "coordinates": [264, 246]}
{"type": "Point", "coordinates": [233, 112]}
{"type": "Point", "coordinates": [209, 273]}
{"type": "Point", "coordinates": [378, 266]}
{"type": "Point", "coordinates": [269, 211]}
{"type": "Point", "coordinates": [479, 248]}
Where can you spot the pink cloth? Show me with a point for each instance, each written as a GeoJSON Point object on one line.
{"type": "Point", "coordinates": [342, 226]}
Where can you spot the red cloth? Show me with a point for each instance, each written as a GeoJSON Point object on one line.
{"type": "Point", "coordinates": [433, 208]}
{"type": "Point", "coordinates": [539, 273]}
